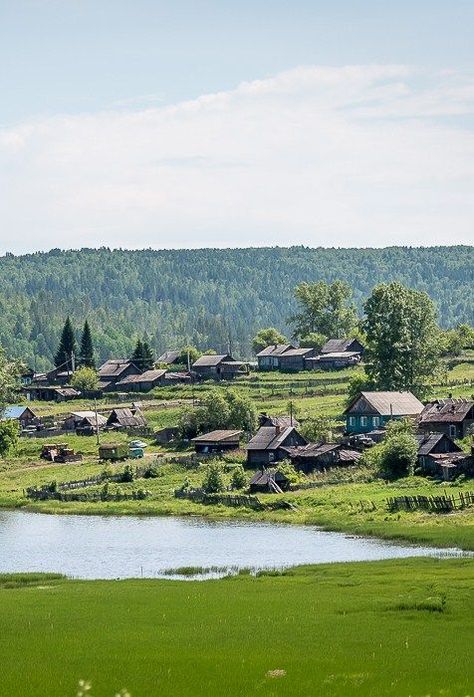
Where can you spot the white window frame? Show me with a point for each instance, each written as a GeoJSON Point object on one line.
{"type": "Point", "coordinates": [364, 421]}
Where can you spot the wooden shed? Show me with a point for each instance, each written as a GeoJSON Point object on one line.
{"type": "Point", "coordinates": [217, 441]}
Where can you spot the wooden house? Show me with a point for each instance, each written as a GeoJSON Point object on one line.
{"type": "Point", "coordinates": [50, 393]}
{"type": "Point", "coordinates": [169, 358]}
{"type": "Point", "coordinates": [343, 346]}
{"type": "Point", "coordinates": [143, 382]}
{"type": "Point", "coordinates": [320, 456]}
{"type": "Point", "coordinates": [333, 361]}
{"type": "Point", "coordinates": [114, 370]}
{"type": "Point", "coordinates": [23, 414]}
{"type": "Point", "coordinates": [84, 422]}
{"type": "Point", "coordinates": [371, 410]}
{"type": "Point", "coordinates": [440, 456]}
{"type": "Point", "coordinates": [268, 444]}
{"type": "Point", "coordinates": [294, 360]}
{"type": "Point", "coordinates": [217, 367]}
{"type": "Point", "coordinates": [217, 441]}
{"type": "Point", "coordinates": [125, 419]}
{"type": "Point", "coordinates": [268, 481]}
{"type": "Point", "coordinates": [454, 417]}
{"type": "Point", "coordinates": [269, 357]}
{"type": "Point", "coordinates": [283, 421]}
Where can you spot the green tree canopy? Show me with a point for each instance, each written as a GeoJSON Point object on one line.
{"type": "Point", "coordinates": [402, 338]}
{"type": "Point", "coordinates": [64, 358]}
{"type": "Point", "coordinates": [85, 379]}
{"type": "Point", "coordinates": [267, 337]}
{"type": "Point", "coordinates": [9, 380]}
{"type": "Point", "coordinates": [221, 409]}
{"type": "Point", "coordinates": [313, 340]}
{"type": "Point", "coordinates": [86, 351]}
{"type": "Point", "coordinates": [325, 308]}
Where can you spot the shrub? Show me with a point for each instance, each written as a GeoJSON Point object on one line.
{"type": "Point", "coordinates": [213, 481]}
{"type": "Point", "coordinates": [127, 474]}
{"type": "Point", "coordinates": [238, 478]}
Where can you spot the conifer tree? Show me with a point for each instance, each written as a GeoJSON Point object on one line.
{"type": "Point", "coordinates": [86, 354]}
{"type": "Point", "coordinates": [138, 355]}
{"type": "Point", "coordinates": [148, 356]}
{"type": "Point", "coordinates": [143, 355]}
{"type": "Point", "coordinates": [67, 347]}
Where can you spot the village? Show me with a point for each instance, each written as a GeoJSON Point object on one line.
{"type": "Point", "coordinates": [278, 444]}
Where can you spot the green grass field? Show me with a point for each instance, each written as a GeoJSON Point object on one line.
{"type": "Point", "coordinates": [401, 628]}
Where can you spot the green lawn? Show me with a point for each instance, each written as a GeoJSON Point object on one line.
{"type": "Point", "coordinates": [401, 628]}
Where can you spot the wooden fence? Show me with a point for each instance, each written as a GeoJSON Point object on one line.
{"type": "Point", "coordinates": [433, 504]}
{"type": "Point", "coordinates": [200, 496]}
{"type": "Point", "coordinates": [45, 494]}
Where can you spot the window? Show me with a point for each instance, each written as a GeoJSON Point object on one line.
{"type": "Point", "coordinates": [376, 421]}
{"type": "Point", "coordinates": [452, 430]}
{"type": "Point", "coordinates": [352, 420]}
{"type": "Point", "coordinates": [363, 421]}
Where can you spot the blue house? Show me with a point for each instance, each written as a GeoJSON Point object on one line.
{"type": "Point", "coordinates": [371, 410]}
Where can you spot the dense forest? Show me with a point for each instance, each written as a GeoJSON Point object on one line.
{"type": "Point", "coordinates": [204, 297]}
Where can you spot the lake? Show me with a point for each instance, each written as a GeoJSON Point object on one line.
{"type": "Point", "coordinates": [93, 547]}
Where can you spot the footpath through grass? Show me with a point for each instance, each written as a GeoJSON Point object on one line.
{"type": "Point", "coordinates": [400, 627]}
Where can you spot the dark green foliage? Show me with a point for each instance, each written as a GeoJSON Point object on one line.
{"type": "Point", "coordinates": [267, 337]}
{"type": "Point", "coordinates": [324, 308]}
{"type": "Point", "coordinates": [220, 409]}
{"type": "Point", "coordinates": [64, 358]}
{"type": "Point", "coordinates": [396, 455]}
{"type": "Point", "coordinates": [9, 380]}
{"type": "Point", "coordinates": [86, 351]}
{"type": "Point", "coordinates": [238, 478]}
{"type": "Point", "coordinates": [213, 481]}
{"type": "Point", "coordinates": [402, 338]}
{"type": "Point", "coordinates": [8, 437]}
{"type": "Point", "coordinates": [192, 296]}
{"type": "Point", "coordinates": [85, 379]}
{"type": "Point", "coordinates": [143, 355]}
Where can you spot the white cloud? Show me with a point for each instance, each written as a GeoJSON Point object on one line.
{"type": "Point", "coordinates": [352, 156]}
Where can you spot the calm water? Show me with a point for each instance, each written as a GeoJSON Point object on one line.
{"type": "Point", "coordinates": [123, 547]}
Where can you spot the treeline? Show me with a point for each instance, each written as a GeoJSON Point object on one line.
{"type": "Point", "coordinates": [201, 297]}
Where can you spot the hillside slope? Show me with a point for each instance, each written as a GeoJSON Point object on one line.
{"type": "Point", "coordinates": [199, 296]}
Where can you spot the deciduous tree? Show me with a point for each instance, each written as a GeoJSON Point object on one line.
{"type": "Point", "coordinates": [402, 351]}
{"type": "Point", "coordinates": [325, 308]}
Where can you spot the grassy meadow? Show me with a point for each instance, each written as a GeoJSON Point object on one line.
{"type": "Point", "coordinates": [399, 627]}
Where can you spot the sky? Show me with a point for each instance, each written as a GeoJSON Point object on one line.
{"type": "Point", "coordinates": [234, 123]}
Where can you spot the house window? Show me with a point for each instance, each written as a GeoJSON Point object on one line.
{"type": "Point", "coordinates": [452, 430]}
{"type": "Point", "coordinates": [363, 421]}
{"type": "Point", "coordinates": [376, 421]}
{"type": "Point", "coordinates": [352, 420]}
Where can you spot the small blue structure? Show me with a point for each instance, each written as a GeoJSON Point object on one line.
{"type": "Point", "coordinates": [370, 411]}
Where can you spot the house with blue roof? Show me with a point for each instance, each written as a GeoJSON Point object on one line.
{"type": "Point", "coordinates": [23, 414]}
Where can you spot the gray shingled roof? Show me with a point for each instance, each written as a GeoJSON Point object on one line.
{"type": "Point", "coordinates": [168, 357]}
{"type": "Point", "coordinates": [389, 403]}
{"type": "Point", "coordinates": [336, 345]}
{"type": "Point", "coordinates": [446, 410]}
{"type": "Point", "coordinates": [211, 361]}
{"type": "Point", "coordinates": [218, 436]}
{"type": "Point", "coordinates": [269, 438]}
{"type": "Point", "coordinates": [274, 350]}
{"type": "Point", "coordinates": [113, 367]}
{"type": "Point", "coordinates": [426, 443]}
{"type": "Point", "coordinates": [147, 376]}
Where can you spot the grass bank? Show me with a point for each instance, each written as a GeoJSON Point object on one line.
{"type": "Point", "coordinates": [400, 627]}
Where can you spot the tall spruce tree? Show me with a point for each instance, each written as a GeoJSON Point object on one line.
{"type": "Point", "coordinates": [86, 352]}
{"type": "Point", "coordinates": [64, 357]}
{"type": "Point", "coordinates": [143, 355]}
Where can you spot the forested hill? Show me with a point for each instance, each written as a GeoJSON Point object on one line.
{"type": "Point", "coordinates": [198, 296]}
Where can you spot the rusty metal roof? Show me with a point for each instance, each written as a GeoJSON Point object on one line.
{"type": "Point", "coordinates": [447, 410]}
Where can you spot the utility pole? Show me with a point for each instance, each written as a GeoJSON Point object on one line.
{"type": "Point", "coordinates": [96, 423]}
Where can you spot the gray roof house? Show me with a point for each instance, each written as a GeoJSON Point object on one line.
{"type": "Point", "coordinates": [217, 366]}
{"type": "Point", "coordinates": [371, 410]}
{"type": "Point", "coordinates": [267, 445]}
{"type": "Point", "coordinates": [269, 357]}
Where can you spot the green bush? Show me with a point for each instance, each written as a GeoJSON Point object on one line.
{"type": "Point", "coordinates": [238, 479]}
{"type": "Point", "coordinates": [213, 481]}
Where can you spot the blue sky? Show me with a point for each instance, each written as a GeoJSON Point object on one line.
{"type": "Point", "coordinates": [148, 123]}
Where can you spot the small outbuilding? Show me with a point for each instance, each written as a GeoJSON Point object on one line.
{"type": "Point", "coordinates": [143, 382]}
{"type": "Point", "coordinates": [269, 357]}
{"type": "Point", "coordinates": [217, 441]}
{"type": "Point", "coordinates": [343, 346]}
{"type": "Point", "coordinates": [269, 481]}
{"type": "Point", "coordinates": [320, 456]}
{"type": "Point", "coordinates": [23, 414]}
{"type": "Point", "coordinates": [126, 418]}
